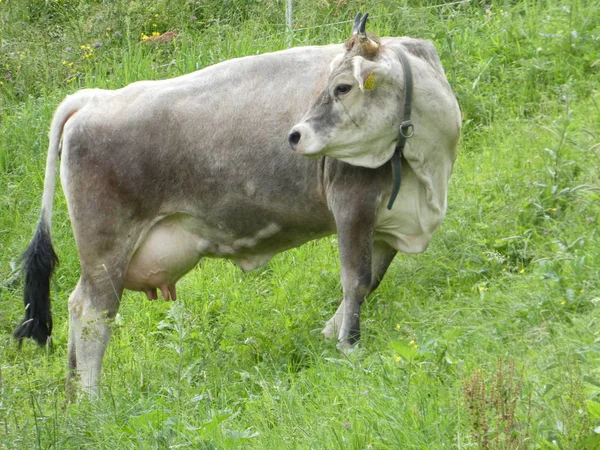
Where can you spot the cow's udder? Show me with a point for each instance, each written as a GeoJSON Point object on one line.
{"type": "Point", "coordinates": [168, 252]}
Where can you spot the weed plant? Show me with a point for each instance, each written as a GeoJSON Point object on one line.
{"type": "Point", "coordinates": [490, 339]}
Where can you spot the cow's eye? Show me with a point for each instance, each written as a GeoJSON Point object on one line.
{"type": "Point", "coordinates": [342, 89]}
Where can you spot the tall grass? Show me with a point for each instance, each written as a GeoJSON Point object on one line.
{"type": "Point", "coordinates": [487, 340]}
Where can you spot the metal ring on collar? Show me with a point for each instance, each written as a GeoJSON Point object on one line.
{"type": "Point", "coordinates": [407, 129]}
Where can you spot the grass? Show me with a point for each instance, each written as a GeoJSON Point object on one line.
{"type": "Point", "coordinates": [488, 340]}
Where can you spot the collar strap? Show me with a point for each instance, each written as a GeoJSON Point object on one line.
{"type": "Point", "coordinates": [406, 128]}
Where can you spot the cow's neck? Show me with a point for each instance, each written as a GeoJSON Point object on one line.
{"type": "Point", "coordinates": [406, 128]}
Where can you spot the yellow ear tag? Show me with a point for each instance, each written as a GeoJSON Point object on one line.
{"type": "Point", "coordinates": [370, 82]}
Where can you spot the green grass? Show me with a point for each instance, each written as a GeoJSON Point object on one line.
{"type": "Point", "coordinates": [490, 339]}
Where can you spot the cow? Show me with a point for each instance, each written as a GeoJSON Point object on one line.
{"type": "Point", "coordinates": [159, 174]}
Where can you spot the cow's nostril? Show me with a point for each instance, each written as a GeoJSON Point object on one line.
{"type": "Point", "coordinates": [294, 138]}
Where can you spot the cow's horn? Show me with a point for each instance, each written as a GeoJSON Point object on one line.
{"type": "Point", "coordinates": [367, 44]}
{"type": "Point", "coordinates": [362, 25]}
{"type": "Point", "coordinates": [356, 26]}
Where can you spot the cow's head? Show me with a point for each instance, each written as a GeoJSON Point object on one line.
{"type": "Point", "coordinates": [356, 117]}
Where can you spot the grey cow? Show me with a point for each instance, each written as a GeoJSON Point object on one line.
{"type": "Point", "coordinates": [160, 174]}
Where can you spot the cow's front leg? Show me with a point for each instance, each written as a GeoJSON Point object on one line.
{"type": "Point", "coordinates": [355, 237]}
{"type": "Point", "coordinates": [381, 257]}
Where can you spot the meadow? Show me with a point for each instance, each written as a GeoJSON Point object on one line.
{"type": "Point", "coordinates": [488, 340]}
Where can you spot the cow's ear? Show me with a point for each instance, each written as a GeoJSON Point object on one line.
{"type": "Point", "coordinates": [368, 73]}
{"type": "Point", "coordinates": [335, 62]}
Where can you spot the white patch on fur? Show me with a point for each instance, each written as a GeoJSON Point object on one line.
{"type": "Point", "coordinates": [250, 188]}
{"type": "Point", "coordinates": [250, 242]}
{"type": "Point", "coordinates": [268, 231]}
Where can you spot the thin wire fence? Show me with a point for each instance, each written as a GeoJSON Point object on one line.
{"type": "Point", "coordinates": [291, 30]}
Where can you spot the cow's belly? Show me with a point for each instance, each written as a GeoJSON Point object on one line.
{"type": "Point", "coordinates": [174, 245]}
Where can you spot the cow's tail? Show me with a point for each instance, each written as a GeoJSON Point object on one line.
{"type": "Point", "coordinates": [39, 260]}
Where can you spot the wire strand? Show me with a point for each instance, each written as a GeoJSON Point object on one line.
{"type": "Point", "coordinates": [324, 25]}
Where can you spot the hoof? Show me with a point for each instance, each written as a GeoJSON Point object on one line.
{"type": "Point", "coordinates": [346, 348]}
{"type": "Point", "coordinates": [329, 332]}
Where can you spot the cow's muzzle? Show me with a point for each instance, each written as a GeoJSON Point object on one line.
{"type": "Point", "coordinates": [303, 139]}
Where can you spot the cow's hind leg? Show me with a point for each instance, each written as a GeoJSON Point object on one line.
{"type": "Point", "coordinates": [92, 306]}
{"type": "Point", "coordinates": [72, 355]}
{"type": "Point", "coordinates": [382, 257]}
{"type": "Point", "coordinates": [95, 301]}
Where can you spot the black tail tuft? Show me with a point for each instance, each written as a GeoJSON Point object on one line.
{"type": "Point", "coordinates": [38, 263]}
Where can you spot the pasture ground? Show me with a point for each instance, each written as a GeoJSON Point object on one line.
{"type": "Point", "coordinates": [490, 339]}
